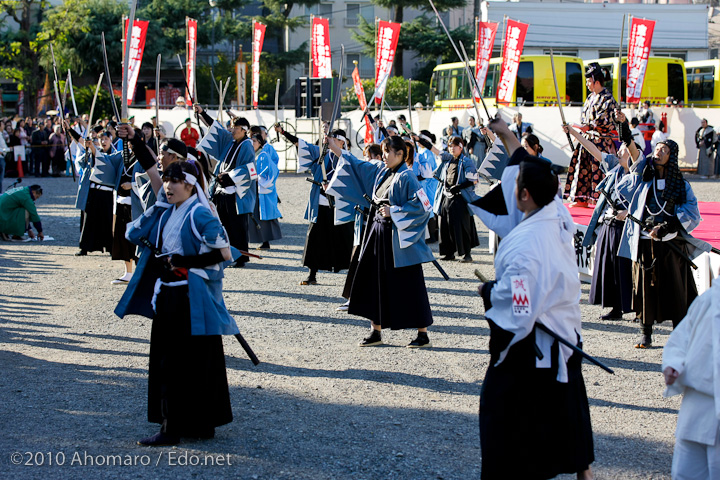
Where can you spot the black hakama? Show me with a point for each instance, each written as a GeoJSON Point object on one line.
{"type": "Point", "coordinates": [457, 227]}
{"type": "Point", "coordinates": [611, 284]}
{"type": "Point", "coordinates": [328, 246]}
{"type": "Point", "coordinates": [261, 231]}
{"type": "Point", "coordinates": [97, 231]}
{"type": "Point", "coordinates": [187, 386]}
{"type": "Point", "coordinates": [531, 425]}
{"type": "Point", "coordinates": [391, 297]}
{"type": "Point", "coordinates": [122, 249]}
{"type": "Point", "coordinates": [236, 225]}
{"type": "Point", "coordinates": [663, 283]}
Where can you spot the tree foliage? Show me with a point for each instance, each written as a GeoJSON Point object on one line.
{"type": "Point", "coordinates": [366, 33]}
{"type": "Point", "coordinates": [421, 35]}
{"type": "Point", "coordinates": [396, 92]}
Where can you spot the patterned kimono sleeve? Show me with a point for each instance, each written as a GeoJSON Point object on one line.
{"type": "Point", "coordinates": [215, 142]}
{"type": "Point", "coordinates": [688, 213]}
{"type": "Point", "coordinates": [411, 212]}
{"type": "Point", "coordinates": [209, 229]}
{"type": "Point", "coordinates": [244, 172]}
{"type": "Point", "coordinates": [308, 156]}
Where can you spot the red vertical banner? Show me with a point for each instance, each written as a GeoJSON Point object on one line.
{"type": "Point", "coordinates": [190, 59]}
{"type": "Point", "coordinates": [641, 32]}
{"type": "Point", "coordinates": [388, 34]}
{"type": "Point", "coordinates": [360, 92]}
{"type": "Point", "coordinates": [21, 103]}
{"type": "Point", "coordinates": [257, 43]}
{"type": "Point", "coordinates": [486, 40]}
{"type": "Point", "coordinates": [514, 42]}
{"type": "Point", "coordinates": [321, 57]}
{"type": "Point", "coordinates": [137, 47]}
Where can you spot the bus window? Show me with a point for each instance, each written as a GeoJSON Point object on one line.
{"type": "Point", "coordinates": [491, 81]}
{"type": "Point", "coordinates": [525, 83]}
{"type": "Point", "coordinates": [454, 84]}
{"type": "Point", "coordinates": [612, 83]}
{"type": "Point", "coordinates": [700, 83]}
{"type": "Point", "coordinates": [441, 88]}
{"type": "Point", "coordinates": [676, 87]}
{"type": "Point", "coordinates": [574, 83]}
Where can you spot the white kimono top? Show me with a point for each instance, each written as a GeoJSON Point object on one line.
{"type": "Point", "coordinates": [693, 349]}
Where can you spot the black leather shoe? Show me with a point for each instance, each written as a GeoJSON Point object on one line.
{"type": "Point", "coordinates": [613, 315]}
{"type": "Point", "coordinates": [81, 253]}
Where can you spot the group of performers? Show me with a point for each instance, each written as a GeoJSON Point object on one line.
{"type": "Point", "coordinates": [183, 221]}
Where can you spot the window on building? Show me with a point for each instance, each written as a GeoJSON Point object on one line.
{"type": "Point", "coordinates": [700, 83]}
{"type": "Point", "coordinates": [366, 65]}
{"type": "Point", "coordinates": [324, 10]}
{"type": "Point", "coordinates": [357, 10]}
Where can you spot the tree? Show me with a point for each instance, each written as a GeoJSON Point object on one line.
{"type": "Point", "coordinates": [398, 7]}
{"type": "Point", "coordinates": [19, 55]}
{"type": "Point", "coordinates": [395, 92]}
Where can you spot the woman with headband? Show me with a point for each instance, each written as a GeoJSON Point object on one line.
{"type": "Point", "coordinates": [457, 175]}
{"type": "Point", "coordinates": [178, 283]}
{"type": "Point", "coordinates": [328, 244]}
{"type": "Point", "coordinates": [388, 287]}
{"type": "Point", "coordinates": [584, 173]}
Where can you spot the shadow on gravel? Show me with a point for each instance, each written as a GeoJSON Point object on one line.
{"type": "Point", "coordinates": [302, 317]}
{"type": "Point", "coordinates": [440, 385]}
{"type": "Point", "coordinates": [634, 365]}
{"type": "Point", "coordinates": [595, 402]}
{"type": "Point", "coordinates": [617, 326]}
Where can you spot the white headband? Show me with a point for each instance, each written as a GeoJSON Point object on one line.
{"type": "Point", "coordinates": [340, 137]}
{"type": "Point", "coordinates": [425, 137]}
{"type": "Point", "coordinates": [191, 179]}
{"type": "Point", "coordinates": [170, 150]}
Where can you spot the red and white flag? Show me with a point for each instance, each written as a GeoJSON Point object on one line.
{"type": "Point", "coordinates": [486, 40]}
{"type": "Point", "coordinates": [388, 34]}
{"type": "Point", "coordinates": [137, 47]}
{"type": "Point", "coordinates": [641, 32]}
{"type": "Point", "coordinates": [190, 60]}
{"type": "Point", "coordinates": [360, 92]}
{"type": "Point", "coordinates": [321, 57]}
{"type": "Point", "coordinates": [514, 42]}
{"type": "Point", "coordinates": [257, 43]}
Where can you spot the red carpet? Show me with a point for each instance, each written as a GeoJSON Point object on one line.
{"type": "Point", "coordinates": [708, 230]}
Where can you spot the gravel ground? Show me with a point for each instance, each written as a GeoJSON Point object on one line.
{"type": "Point", "coordinates": [73, 375]}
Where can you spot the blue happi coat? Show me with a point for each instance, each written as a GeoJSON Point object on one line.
{"type": "Point", "coordinates": [267, 193]}
{"type": "Point", "coordinates": [614, 172]}
{"type": "Point", "coordinates": [354, 177]}
{"type": "Point", "coordinates": [217, 143]}
{"type": "Point", "coordinates": [634, 190]}
{"type": "Point", "coordinates": [200, 233]}
{"type": "Point", "coordinates": [272, 153]}
{"type": "Point", "coordinates": [424, 166]}
{"type": "Point", "coordinates": [109, 175]}
{"type": "Point", "coordinates": [308, 156]}
{"type": "Point", "coordinates": [466, 171]}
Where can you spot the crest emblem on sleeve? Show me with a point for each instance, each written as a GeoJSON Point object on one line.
{"type": "Point", "coordinates": [521, 304]}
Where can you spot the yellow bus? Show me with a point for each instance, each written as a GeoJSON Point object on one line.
{"type": "Point", "coordinates": [534, 86]}
{"type": "Point", "coordinates": [665, 77]}
{"type": "Point", "coordinates": [702, 83]}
